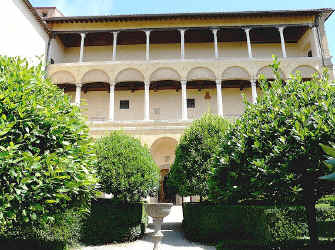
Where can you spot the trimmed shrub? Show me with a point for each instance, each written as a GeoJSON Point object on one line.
{"type": "Point", "coordinates": [125, 168]}
{"type": "Point", "coordinates": [190, 171]}
{"type": "Point", "coordinates": [45, 152]}
{"type": "Point", "coordinates": [327, 199]}
{"type": "Point", "coordinates": [244, 224]}
{"type": "Point", "coordinates": [111, 221]}
{"type": "Point", "coordinates": [65, 231]}
{"type": "Point", "coordinates": [273, 152]}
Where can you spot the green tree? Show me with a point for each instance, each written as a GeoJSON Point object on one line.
{"type": "Point", "coordinates": [125, 167]}
{"type": "Point", "coordinates": [273, 150]}
{"type": "Point", "coordinates": [190, 171]}
{"type": "Point", "coordinates": [46, 156]}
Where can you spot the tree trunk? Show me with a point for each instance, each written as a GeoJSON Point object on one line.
{"type": "Point", "coordinates": [311, 220]}
{"type": "Point", "coordinates": [200, 198]}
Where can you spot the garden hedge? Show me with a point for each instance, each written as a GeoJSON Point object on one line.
{"type": "Point", "coordinates": [112, 221]}
{"type": "Point", "coordinates": [64, 232]}
{"type": "Point", "coordinates": [246, 224]}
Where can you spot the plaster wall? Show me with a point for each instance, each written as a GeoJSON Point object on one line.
{"type": "Point", "coordinates": [164, 104]}
{"type": "Point", "coordinates": [172, 51]}
{"type": "Point", "coordinates": [22, 35]}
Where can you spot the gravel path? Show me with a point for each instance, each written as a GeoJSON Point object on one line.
{"type": "Point", "coordinates": [173, 237]}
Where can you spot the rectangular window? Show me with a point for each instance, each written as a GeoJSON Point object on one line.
{"type": "Point", "coordinates": [190, 103]}
{"type": "Point", "coordinates": [124, 104]}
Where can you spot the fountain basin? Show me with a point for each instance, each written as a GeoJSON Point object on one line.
{"type": "Point", "coordinates": [158, 210]}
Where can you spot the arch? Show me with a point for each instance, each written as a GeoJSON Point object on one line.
{"type": "Point", "coordinates": [235, 73]}
{"type": "Point", "coordinates": [268, 73]}
{"type": "Point", "coordinates": [162, 74]}
{"type": "Point", "coordinates": [129, 75]}
{"type": "Point", "coordinates": [161, 148]}
{"type": "Point", "coordinates": [201, 73]}
{"type": "Point", "coordinates": [95, 75]}
{"type": "Point", "coordinates": [63, 77]}
{"type": "Point", "coordinates": [306, 71]}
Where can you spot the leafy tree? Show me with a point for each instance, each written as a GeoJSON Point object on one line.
{"type": "Point", "coordinates": [125, 167]}
{"type": "Point", "coordinates": [45, 154]}
{"type": "Point", "coordinates": [273, 150]}
{"type": "Point", "coordinates": [190, 172]}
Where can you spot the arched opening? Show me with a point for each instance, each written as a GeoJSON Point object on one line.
{"type": "Point", "coordinates": [306, 72]}
{"type": "Point", "coordinates": [129, 95]}
{"type": "Point", "coordinates": [268, 73]}
{"type": "Point", "coordinates": [95, 95]}
{"type": "Point", "coordinates": [165, 95]}
{"type": "Point", "coordinates": [235, 83]}
{"type": "Point", "coordinates": [65, 81]}
{"type": "Point", "coordinates": [163, 153]}
{"type": "Point", "coordinates": [201, 92]}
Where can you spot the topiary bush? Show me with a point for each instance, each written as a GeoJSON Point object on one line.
{"type": "Point", "coordinates": [111, 221]}
{"type": "Point", "coordinates": [250, 225]}
{"type": "Point", "coordinates": [46, 156]}
{"type": "Point", "coordinates": [190, 171]}
{"type": "Point", "coordinates": [125, 168]}
{"type": "Point", "coordinates": [273, 152]}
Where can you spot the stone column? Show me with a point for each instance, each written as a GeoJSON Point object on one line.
{"type": "Point", "coordinates": [282, 39]}
{"type": "Point", "coordinates": [316, 41]}
{"type": "Point", "coordinates": [50, 48]}
{"type": "Point", "coordinates": [182, 43]}
{"type": "Point", "coordinates": [247, 32]}
{"type": "Point", "coordinates": [216, 50]}
{"type": "Point", "coordinates": [78, 93]}
{"type": "Point", "coordinates": [111, 101]}
{"type": "Point", "coordinates": [147, 52]}
{"type": "Point", "coordinates": [219, 97]}
{"type": "Point", "coordinates": [82, 46]}
{"type": "Point", "coordinates": [254, 91]}
{"type": "Point", "coordinates": [147, 100]}
{"type": "Point", "coordinates": [115, 33]}
{"type": "Point", "coordinates": [183, 99]}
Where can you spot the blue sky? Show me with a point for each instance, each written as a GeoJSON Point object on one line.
{"type": "Point", "coordinates": [117, 7]}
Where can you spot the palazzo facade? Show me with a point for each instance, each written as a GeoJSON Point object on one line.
{"type": "Point", "coordinates": [151, 75]}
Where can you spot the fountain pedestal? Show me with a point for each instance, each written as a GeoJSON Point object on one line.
{"type": "Point", "coordinates": [158, 211]}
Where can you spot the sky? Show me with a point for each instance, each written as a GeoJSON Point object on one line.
{"type": "Point", "coordinates": [119, 7]}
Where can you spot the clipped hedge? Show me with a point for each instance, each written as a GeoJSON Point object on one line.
{"type": "Point", "coordinates": [111, 221]}
{"type": "Point", "coordinates": [257, 225]}
{"type": "Point", "coordinates": [61, 234]}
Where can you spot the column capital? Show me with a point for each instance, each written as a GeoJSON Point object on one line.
{"type": "Point", "coordinates": [115, 33]}
{"type": "Point", "coordinates": [183, 82]}
{"type": "Point", "coordinates": [253, 82]}
{"type": "Point", "coordinates": [79, 85]}
{"type": "Point", "coordinates": [182, 31]}
{"type": "Point", "coordinates": [83, 35]}
{"type": "Point", "coordinates": [247, 29]}
{"type": "Point", "coordinates": [218, 81]}
{"type": "Point", "coordinates": [147, 32]}
{"type": "Point", "coordinates": [215, 30]}
{"type": "Point", "coordinates": [147, 83]}
{"type": "Point", "coordinates": [112, 84]}
{"type": "Point", "coordinates": [281, 28]}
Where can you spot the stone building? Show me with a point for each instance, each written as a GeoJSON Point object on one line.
{"type": "Point", "coordinates": [151, 75]}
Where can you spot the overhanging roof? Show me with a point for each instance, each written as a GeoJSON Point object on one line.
{"type": "Point", "coordinates": [143, 17]}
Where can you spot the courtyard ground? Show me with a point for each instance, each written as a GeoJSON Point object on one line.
{"type": "Point", "coordinates": [173, 237]}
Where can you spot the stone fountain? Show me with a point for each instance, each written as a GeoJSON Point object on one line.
{"type": "Point", "coordinates": [158, 211]}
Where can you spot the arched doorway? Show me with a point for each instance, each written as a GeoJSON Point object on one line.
{"type": "Point", "coordinates": [163, 153]}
